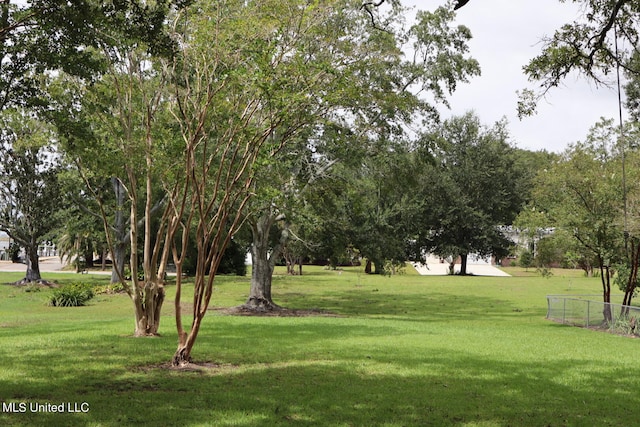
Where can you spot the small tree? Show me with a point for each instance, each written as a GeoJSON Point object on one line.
{"type": "Point", "coordinates": [526, 259]}
{"type": "Point", "coordinates": [581, 194]}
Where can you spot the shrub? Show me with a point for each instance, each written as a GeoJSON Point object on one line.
{"type": "Point", "coordinates": [112, 288]}
{"type": "Point", "coordinates": [74, 295]}
{"type": "Point", "coordinates": [526, 259]}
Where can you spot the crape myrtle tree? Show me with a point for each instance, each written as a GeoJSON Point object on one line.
{"type": "Point", "coordinates": [367, 106]}
{"type": "Point", "coordinates": [116, 134]}
{"type": "Point", "coordinates": [252, 77]}
{"type": "Point", "coordinates": [29, 189]}
{"type": "Point", "coordinates": [473, 187]}
{"type": "Point", "coordinates": [41, 36]}
{"type": "Point", "coordinates": [128, 148]}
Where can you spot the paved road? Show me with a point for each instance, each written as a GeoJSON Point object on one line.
{"type": "Point", "coordinates": [433, 268]}
{"type": "Point", "coordinates": [47, 264]}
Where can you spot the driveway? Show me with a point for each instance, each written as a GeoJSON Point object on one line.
{"type": "Point", "coordinates": [47, 265]}
{"type": "Point", "coordinates": [436, 268]}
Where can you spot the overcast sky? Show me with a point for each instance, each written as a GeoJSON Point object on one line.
{"type": "Point", "coordinates": [506, 34]}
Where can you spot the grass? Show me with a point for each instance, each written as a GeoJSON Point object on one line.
{"type": "Point", "coordinates": [399, 351]}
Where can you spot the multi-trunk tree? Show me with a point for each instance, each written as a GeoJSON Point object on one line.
{"type": "Point", "coordinates": [251, 78]}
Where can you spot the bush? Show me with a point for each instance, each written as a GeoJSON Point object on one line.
{"type": "Point", "coordinates": [526, 259]}
{"type": "Point", "coordinates": [112, 288]}
{"type": "Point", "coordinates": [74, 295]}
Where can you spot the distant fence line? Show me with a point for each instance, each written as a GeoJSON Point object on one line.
{"type": "Point", "coordinates": [579, 310]}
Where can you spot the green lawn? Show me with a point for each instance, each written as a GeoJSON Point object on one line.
{"type": "Point", "coordinates": [395, 351]}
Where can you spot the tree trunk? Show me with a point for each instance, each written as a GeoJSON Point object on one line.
{"type": "Point", "coordinates": [88, 257]}
{"type": "Point", "coordinates": [378, 267]}
{"type": "Point", "coordinates": [463, 264]}
{"type": "Point", "coordinates": [633, 277]}
{"type": "Point", "coordinates": [263, 262]}
{"type": "Point", "coordinates": [367, 267]}
{"type": "Point", "coordinates": [119, 256]}
{"type": "Point", "coordinates": [182, 356]}
{"type": "Point", "coordinates": [261, 279]}
{"type": "Point", "coordinates": [120, 234]}
{"type": "Point", "coordinates": [606, 291]}
{"type": "Point", "coordinates": [33, 265]}
{"type": "Point", "coordinates": [103, 259]}
{"type": "Point", "coordinates": [147, 301]}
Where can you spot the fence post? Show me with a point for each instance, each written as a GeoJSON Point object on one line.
{"type": "Point", "coordinates": [564, 309]}
{"type": "Point", "coordinates": [588, 312]}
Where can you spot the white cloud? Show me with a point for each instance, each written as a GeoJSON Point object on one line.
{"type": "Point", "coordinates": [506, 35]}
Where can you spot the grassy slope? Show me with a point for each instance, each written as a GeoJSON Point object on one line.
{"type": "Point", "coordinates": [405, 350]}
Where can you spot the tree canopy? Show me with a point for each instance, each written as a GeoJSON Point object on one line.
{"type": "Point", "coordinates": [473, 188]}
{"type": "Point", "coordinates": [603, 38]}
{"type": "Point", "coordinates": [29, 189]}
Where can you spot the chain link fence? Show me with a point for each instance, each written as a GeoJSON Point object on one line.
{"type": "Point", "coordinates": [581, 310]}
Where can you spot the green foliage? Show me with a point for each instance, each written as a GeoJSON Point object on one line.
{"type": "Point", "coordinates": [43, 35]}
{"type": "Point", "coordinates": [545, 272]}
{"type": "Point", "coordinates": [621, 278]}
{"type": "Point", "coordinates": [233, 260]}
{"type": "Point", "coordinates": [581, 194]}
{"type": "Point", "coordinates": [111, 288]}
{"type": "Point", "coordinates": [29, 187]}
{"type": "Point", "coordinates": [14, 252]}
{"type": "Point", "coordinates": [626, 325]}
{"type": "Point", "coordinates": [526, 259]}
{"type": "Point", "coordinates": [550, 251]}
{"type": "Point", "coordinates": [474, 186]}
{"type": "Point", "coordinates": [73, 295]}
{"type": "Point", "coordinates": [603, 36]}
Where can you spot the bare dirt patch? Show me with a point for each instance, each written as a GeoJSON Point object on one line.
{"type": "Point", "coordinates": [606, 329]}
{"type": "Point", "coordinates": [279, 312]}
{"type": "Point", "coordinates": [200, 367]}
{"type": "Point", "coordinates": [34, 283]}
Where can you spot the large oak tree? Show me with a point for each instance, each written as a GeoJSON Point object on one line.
{"type": "Point", "coordinates": [473, 188]}
{"type": "Point", "coordinates": [29, 188]}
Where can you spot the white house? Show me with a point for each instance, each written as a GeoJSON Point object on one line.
{"type": "Point", "coordinates": [4, 245]}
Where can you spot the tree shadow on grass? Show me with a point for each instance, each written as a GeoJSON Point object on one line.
{"type": "Point", "coordinates": [313, 371]}
{"type": "Point", "coordinates": [459, 389]}
{"type": "Point", "coordinates": [416, 307]}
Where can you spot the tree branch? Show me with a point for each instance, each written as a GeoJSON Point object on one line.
{"type": "Point", "coordinates": [366, 6]}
